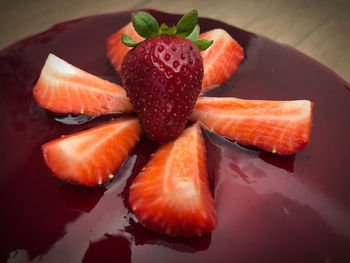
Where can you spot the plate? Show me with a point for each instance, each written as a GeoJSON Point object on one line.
{"type": "Point", "coordinates": [270, 208]}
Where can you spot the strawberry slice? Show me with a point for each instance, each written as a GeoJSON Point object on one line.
{"type": "Point", "coordinates": [171, 194]}
{"type": "Point", "coordinates": [276, 126]}
{"type": "Point", "coordinates": [116, 50]}
{"type": "Point", "coordinates": [221, 59]}
{"type": "Point", "coordinates": [64, 88]}
{"type": "Point", "coordinates": [90, 157]}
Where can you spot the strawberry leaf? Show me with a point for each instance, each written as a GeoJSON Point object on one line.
{"type": "Point", "coordinates": [145, 24]}
{"type": "Point", "coordinates": [128, 41]}
{"type": "Point", "coordinates": [202, 44]}
{"type": "Point", "coordinates": [187, 23]}
{"type": "Point", "coordinates": [195, 33]}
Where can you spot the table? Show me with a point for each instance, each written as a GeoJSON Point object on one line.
{"type": "Point", "coordinates": [319, 28]}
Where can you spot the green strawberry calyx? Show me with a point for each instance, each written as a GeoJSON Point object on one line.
{"type": "Point", "coordinates": [147, 27]}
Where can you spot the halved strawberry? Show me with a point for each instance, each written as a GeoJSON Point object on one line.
{"type": "Point", "coordinates": [221, 59]}
{"type": "Point", "coordinates": [276, 126]}
{"type": "Point", "coordinates": [91, 156]}
{"type": "Point", "coordinates": [64, 88]}
{"type": "Point", "coordinates": [171, 194]}
{"type": "Point", "coordinates": [116, 50]}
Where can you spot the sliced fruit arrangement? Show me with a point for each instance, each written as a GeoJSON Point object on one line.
{"type": "Point", "coordinates": [281, 127]}
{"type": "Point", "coordinates": [220, 60]}
{"type": "Point", "coordinates": [171, 194]}
{"type": "Point", "coordinates": [64, 88]}
{"type": "Point", "coordinates": [163, 74]}
{"type": "Point", "coordinates": [92, 156]}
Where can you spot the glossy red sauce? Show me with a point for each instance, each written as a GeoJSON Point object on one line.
{"type": "Point", "coordinates": [270, 208]}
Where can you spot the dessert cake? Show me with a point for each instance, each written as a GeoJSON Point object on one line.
{"type": "Point", "coordinates": [270, 208]}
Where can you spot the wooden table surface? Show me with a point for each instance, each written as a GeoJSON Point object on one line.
{"type": "Point", "coordinates": [319, 28]}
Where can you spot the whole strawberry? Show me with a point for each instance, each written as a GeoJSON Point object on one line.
{"type": "Point", "coordinates": [163, 74]}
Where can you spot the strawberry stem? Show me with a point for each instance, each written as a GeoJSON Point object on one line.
{"type": "Point", "coordinates": [168, 31]}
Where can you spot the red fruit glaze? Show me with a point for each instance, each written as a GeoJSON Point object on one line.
{"type": "Point", "coordinates": [92, 156]}
{"type": "Point", "coordinates": [64, 88]}
{"type": "Point", "coordinates": [162, 77]}
{"type": "Point", "coordinates": [221, 59]}
{"type": "Point", "coordinates": [270, 208]}
{"type": "Point", "coordinates": [171, 194]}
{"type": "Point", "coordinates": [281, 127]}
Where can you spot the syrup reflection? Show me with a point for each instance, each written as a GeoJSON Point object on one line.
{"type": "Point", "coordinates": [246, 168]}
{"type": "Point", "coordinates": [106, 218]}
{"type": "Point", "coordinates": [73, 119]}
{"type": "Point", "coordinates": [144, 236]}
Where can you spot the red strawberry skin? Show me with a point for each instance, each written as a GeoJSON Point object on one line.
{"type": "Point", "coordinates": [171, 194]}
{"type": "Point", "coordinates": [163, 77]}
{"type": "Point", "coordinates": [64, 88]}
{"type": "Point", "coordinates": [90, 157]}
{"type": "Point", "coordinates": [281, 127]}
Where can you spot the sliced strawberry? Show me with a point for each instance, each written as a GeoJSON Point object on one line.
{"type": "Point", "coordinates": [64, 88]}
{"type": "Point", "coordinates": [90, 157]}
{"type": "Point", "coordinates": [171, 194]}
{"type": "Point", "coordinates": [116, 50]}
{"type": "Point", "coordinates": [276, 126]}
{"type": "Point", "coordinates": [221, 59]}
